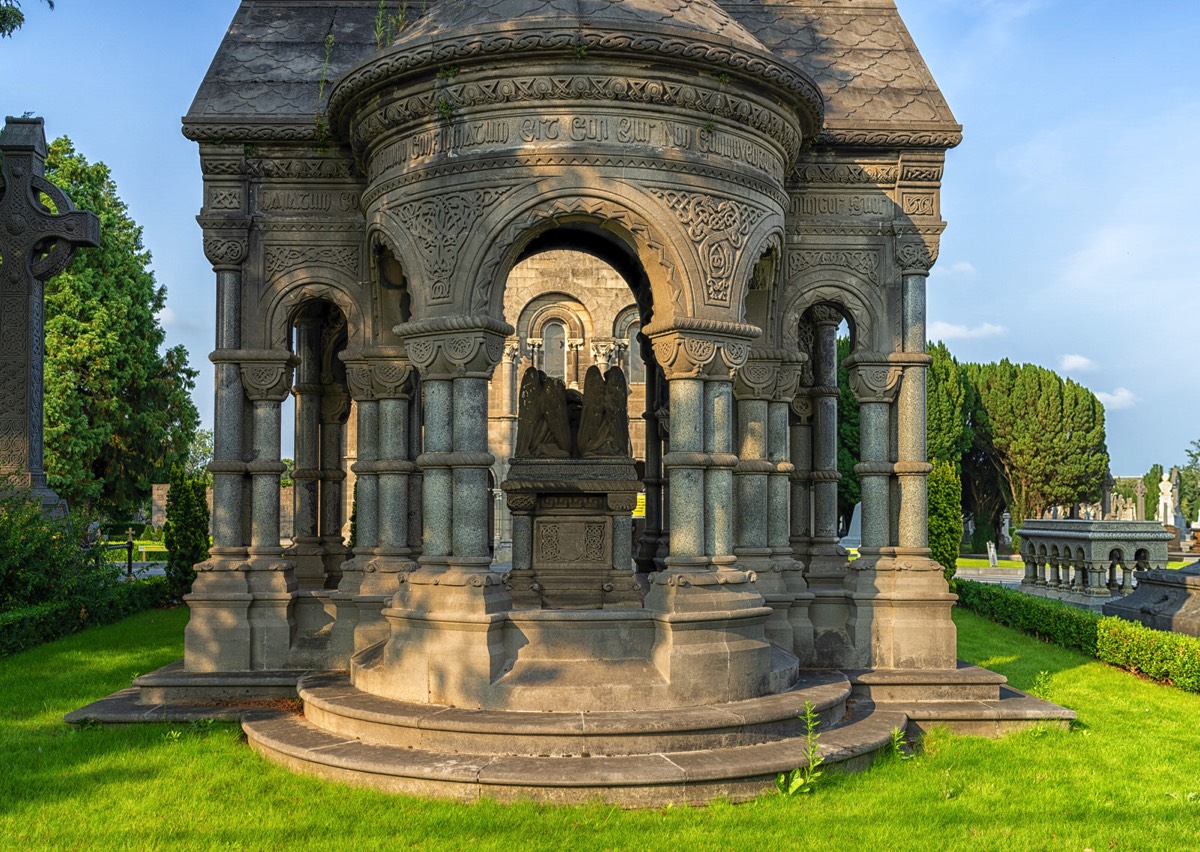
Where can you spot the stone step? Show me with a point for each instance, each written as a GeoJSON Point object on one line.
{"type": "Point", "coordinates": [335, 705]}
{"type": "Point", "coordinates": [636, 780]}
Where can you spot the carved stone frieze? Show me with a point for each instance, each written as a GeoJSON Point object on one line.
{"type": "Point", "coordinates": [701, 348]}
{"type": "Point", "coordinates": [847, 173]}
{"type": "Point", "coordinates": [719, 229]}
{"type": "Point", "coordinates": [864, 263]}
{"type": "Point", "coordinates": [280, 259]}
{"type": "Point", "coordinates": [891, 137]}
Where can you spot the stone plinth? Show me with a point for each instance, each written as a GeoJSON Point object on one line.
{"type": "Point", "coordinates": [1164, 600]}
{"type": "Point", "coordinates": [572, 543]}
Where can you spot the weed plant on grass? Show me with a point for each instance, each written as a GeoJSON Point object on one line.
{"type": "Point", "coordinates": [1126, 777]}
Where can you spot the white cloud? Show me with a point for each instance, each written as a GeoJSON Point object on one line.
{"type": "Point", "coordinates": [1118, 399]}
{"type": "Point", "coordinates": [175, 322]}
{"type": "Point", "coordinates": [1076, 364]}
{"type": "Point", "coordinates": [939, 330]}
{"type": "Point", "coordinates": [964, 267]}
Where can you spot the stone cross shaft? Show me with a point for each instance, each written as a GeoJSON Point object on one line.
{"type": "Point", "coordinates": [40, 230]}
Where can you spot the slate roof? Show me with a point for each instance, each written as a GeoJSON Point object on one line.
{"type": "Point", "coordinates": [266, 76]}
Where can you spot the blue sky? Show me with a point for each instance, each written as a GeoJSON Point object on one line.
{"type": "Point", "coordinates": [1072, 202]}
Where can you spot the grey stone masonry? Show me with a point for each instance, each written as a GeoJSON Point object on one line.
{"type": "Point", "coordinates": [1085, 563]}
{"type": "Point", "coordinates": [37, 241]}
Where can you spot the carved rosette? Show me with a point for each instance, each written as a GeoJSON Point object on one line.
{"type": "Point", "coordinates": [378, 377]}
{"type": "Point", "coordinates": [916, 257]}
{"type": "Point", "coordinates": [267, 376]}
{"type": "Point", "coordinates": [455, 347]}
{"type": "Point", "coordinates": [802, 407]}
{"type": "Point", "coordinates": [873, 378]}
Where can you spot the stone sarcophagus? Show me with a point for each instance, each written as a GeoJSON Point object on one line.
{"type": "Point", "coordinates": [572, 489]}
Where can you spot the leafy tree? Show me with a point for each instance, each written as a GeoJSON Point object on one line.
{"type": "Point", "coordinates": [200, 453]}
{"type": "Point", "coordinates": [1151, 480]}
{"type": "Point", "coordinates": [945, 515]}
{"type": "Point", "coordinates": [185, 533]}
{"type": "Point", "coordinates": [118, 412]}
{"type": "Point", "coordinates": [12, 18]}
{"type": "Point", "coordinates": [848, 448]}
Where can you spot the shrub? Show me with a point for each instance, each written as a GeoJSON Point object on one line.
{"type": "Point", "coordinates": [1046, 619]}
{"type": "Point", "coordinates": [1169, 657]}
{"type": "Point", "coordinates": [185, 533]}
{"type": "Point", "coordinates": [945, 516]}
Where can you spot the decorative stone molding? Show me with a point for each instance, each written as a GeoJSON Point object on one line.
{"type": "Point", "coordinates": [864, 263]}
{"type": "Point", "coordinates": [719, 229]}
{"type": "Point", "coordinates": [889, 138]}
{"type": "Point", "coordinates": [409, 58]}
{"type": "Point", "coordinates": [802, 407]}
{"type": "Point", "coordinates": [606, 352]}
{"type": "Point", "coordinates": [455, 347]}
{"type": "Point", "coordinates": [873, 378]}
{"type": "Point", "coordinates": [281, 259]}
{"type": "Point", "coordinates": [847, 173]}
{"type": "Point", "coordinates": [758, 378]}
{"type": "Point", "coordinates": [266, 374]}
{"type": "Point", "coordinates": [335, 407]}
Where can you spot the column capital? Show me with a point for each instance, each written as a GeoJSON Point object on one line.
{"type": "Point", "coordinates": [802, 406]}
{"type": "Point", "coordinates": [455, 347]}
{"type": "Point", "coordinates": [689, 348]}
{"type": "Point", "coordinates": [226, 243]}
{"type": "Point", "coordinates": [916, 256]}
{"type": "Point", "coordinates": [383, 373]}
{"type": "Point", "coordinates": [267, 374]}
{"type": "Point", "coordinates": [873, 377]}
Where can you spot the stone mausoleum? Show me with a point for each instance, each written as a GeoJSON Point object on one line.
{"type": "Point", "coordinates": [752, 175]}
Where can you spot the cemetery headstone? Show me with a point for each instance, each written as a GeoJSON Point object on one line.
{"type": "Point", "coordinates": [40, 230]}
{"type": "Point", "coordinates": [1139, 492]}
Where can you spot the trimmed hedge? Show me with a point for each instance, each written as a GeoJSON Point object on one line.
{"type": "Point", "coordinates": [30, 626]}
{"type": "Point", "coordinates": [1160, 655]}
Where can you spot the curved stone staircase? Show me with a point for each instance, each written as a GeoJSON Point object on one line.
{"type": "Point", "coordinates": [731, 751]}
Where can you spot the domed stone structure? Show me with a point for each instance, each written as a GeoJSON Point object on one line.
{"type": "Point", "coordinates": [757, 174]}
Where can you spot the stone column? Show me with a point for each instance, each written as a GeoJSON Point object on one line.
{"type": "Point", "coordinates": [447, 617]}
{"type": "Point", "coordinates": [508, 380]}
{"type": "Point", "coordinates": [701, 581]}
{"type": "Point", "coordinates": [335, 408]}
{"type": "Point", "coordinates": [912, 465]}
{"type": "Point", "coordinates": [874, 381]}
{"type": "Point", "coordinates": [650, 547]}
{"type": "Point", "coordinates": [217, 637]}
{"type": "Point", "coordinates": [306, 550]}
{"type": "Point", "coordinates": [826, 568]}
{"type": "Point", "coordinates": [267, 379]}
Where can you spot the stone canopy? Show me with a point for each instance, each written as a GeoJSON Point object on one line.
{"type": "Point", "coordinates": [757, 174]}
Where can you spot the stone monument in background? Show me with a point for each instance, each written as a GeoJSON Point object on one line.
{"type": "Point", "coordinates": [40, 230]}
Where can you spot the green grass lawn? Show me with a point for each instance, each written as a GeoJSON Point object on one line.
{"type": "Point", "coordinates": [1127, 776]}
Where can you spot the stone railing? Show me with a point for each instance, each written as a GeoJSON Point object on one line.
{"type": "Point", "coordinates": [1085, 563]}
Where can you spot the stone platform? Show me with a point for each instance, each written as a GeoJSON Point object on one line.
{"type": "Point", "coordinates": [629, 758]}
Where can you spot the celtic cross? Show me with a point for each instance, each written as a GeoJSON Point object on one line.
{"type": "Point", "coordinates": [36, 242]}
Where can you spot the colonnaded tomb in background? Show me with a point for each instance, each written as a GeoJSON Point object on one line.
{"type": "Point", "coordinates": [755, 174]}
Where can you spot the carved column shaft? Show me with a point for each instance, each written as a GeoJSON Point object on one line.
{"type": "Point", "coordinates": [366, 518]}
{"type": "Point", "coordinates": [307, 473]}
{"type": "Point", "coordinates": [874, 381]}
{"type": "Point", "coordinates": [267, 379]}
{"type": "Point", "coordinates": [801, 477]}
{"type": "Point", "coordinates": [912, 465]}
{"type": "Point", "coordinates": [824, 395]}
{"type": "Point", "coordinates": [393, 478]}
{"type": "Point", "coordinates": [685, 466]}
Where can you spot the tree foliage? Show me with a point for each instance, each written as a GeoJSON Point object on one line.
{"type": "Point", "coordinates": [945, 515]}
{"type": "Point", "coordinates": [185, 532]}
{"type": "Point", "coordinates": [118, 412]}
{"type": "Point", "coordinates": [11, 16]}
{"type": "Point", "coordinates": [1039, 440]}
{"type": "Point", "coordinates": [948, 408]}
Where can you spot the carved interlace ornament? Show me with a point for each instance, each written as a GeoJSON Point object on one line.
{"type": "Point", "coordinates": [863, 263]}
{"type": "Point", "coordinates": [455, 347]}
{"type": "Point", "coordinates": [872, 377]}
{"type": "Point", "coordinates": [371, 378]}
{"type": "Point", "coordinates": [719, 229]}
{"type": "Point", "coordinates": [267, 377]}
{"type": "Point", "coordinates": [280, 259]}
{"type": "Point", "coordinates": [916, 258]}
{"type": "Point", "coordinates": [225, 251]}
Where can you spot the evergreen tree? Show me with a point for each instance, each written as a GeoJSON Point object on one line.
{"type": "Point", "coordinates": [118, 412]}
{"type": "Point", "coordinates": [185, 533]}
{"type": "Point", "coordinates": [945, 515]}
{"type": "Point", "coordinates": [947, 408]}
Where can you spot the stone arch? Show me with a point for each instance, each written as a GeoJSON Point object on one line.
{"type": "Point", "coordinates": [290, 292]}
{"type": "Point", "coordinates": [763, 288]}
{"type": "Point", "coordinates": [626, 223]}
{"type": "Point", "coordinates": [567, 309]}
{"type": "Point", "coordinates": [864, 315]}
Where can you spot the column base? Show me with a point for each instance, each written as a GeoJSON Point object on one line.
{"type": "Point", "coordinates": [901, 611]}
